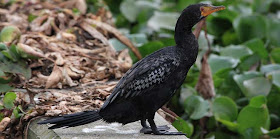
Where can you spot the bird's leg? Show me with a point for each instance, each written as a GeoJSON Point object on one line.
{"type": "Point", "coordinates": [156, 131]}
{"type": "Point", "coordinates": [147, 130]}
{"type": "Point", "coordinates": [144, 124]}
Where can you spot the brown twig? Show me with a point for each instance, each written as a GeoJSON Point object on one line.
{"type": "Point", "coordinates": [198, 28]}
{"type": "Point", "coordinates": [164, 108]}
{"type": "Point", "coordinates": [206, 37]}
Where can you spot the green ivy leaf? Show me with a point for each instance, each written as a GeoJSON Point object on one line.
{"type": "Point", "coordinates": [2, 73]}
{"type": "Point", "coordinates": [276, 78]}
{"type": "Point", "coordinates": [1, 116]}
{"type": "Point", "coordinates": [183, 126]}
{"type": "Point", "coordinates": [5, 87]}
{"type": "Point", "coordinates": [258, 101]}
{"type": "Point", "coordinates": [251, 119]}
{"type": "Point", "coordinates": [270, 68]}
{"type": "Point", "coordinates": [224, 108]}
{"type": "Point", "coordinates": [275, 132]}
{"type": "Point", "coordinates": [230, 37]}
{"type": "Point", "coordinates": [257, 46]}
{"type": "Point", "coordinates": [246, 30]}
{"type": "Point", "coordinates": [162, 20]}
{"type": "Point", "coordinates": [239, 79]}
{"type": "Point", "coordinates": [273, 32]}
{"type": "Point", "coordinates": [257, 86]}
{"type": "Point", "coordinates": [221, 62]}
{"type": "Point", "coordinates": [196, 107]}
{"type": "Point", "coordinates": [9, 100]}
{"type": "Point", "coordinates": [3, 47]}
{"type": "Point", "coordinates": [261, 6]}
{"type": "Point", "coordinates": [129, 9]}
{"type": "Point", "coordinates": [9, 34]}
{"type": "Point", "coordinates": [273, 103]}
{"type": "Point", "coordinates": [16, 112]}
{"type": "Point", "coordinates": [19, 67]}
{"type": "Point", "coordinates": [275, 55]}
{"type": "Point", "coordinates": [230, 125]}
{"type": "Point", "coordinates": [248, 61]}
{"type": "Point", "coordinates": [235, 51]}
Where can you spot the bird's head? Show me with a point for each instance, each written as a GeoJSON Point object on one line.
{"type": "Point", "coordinates": [207, 9]}
{"type": "Point", "coordinates": [196, 12]}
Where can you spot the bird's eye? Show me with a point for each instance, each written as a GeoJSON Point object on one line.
{"type": "Point", "coordinates": [201, 9]}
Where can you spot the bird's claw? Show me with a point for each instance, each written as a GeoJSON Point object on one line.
{"type": "Point", "coordinates": [148, 130]}
{"type": "Point", "coordinates": [161, 130]}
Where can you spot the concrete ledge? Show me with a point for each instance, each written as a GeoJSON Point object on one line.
{"type": "Point", "coordinates": [101, 130]}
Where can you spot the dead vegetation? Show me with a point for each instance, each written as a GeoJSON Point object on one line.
{"type": "Point", "coordinates": [76, 67]}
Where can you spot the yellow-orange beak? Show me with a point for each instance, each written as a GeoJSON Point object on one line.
{"type": "Point", "coordinates": [206, 10]}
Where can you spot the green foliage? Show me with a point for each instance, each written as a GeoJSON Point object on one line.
{"type": "Point", "coordinates": [257, 46]}
{"type": "Point", "coordinates": [162, 20]}
{"type": "Point", "coordinates": [7, 104]}
{"type": "Point", "coordinates": [9, 100]}
{"type": "Point", "coordinates": [183, 126]}
{"type": "Point", "coordinates": [246, 30]}
{"type": "Point", "coordinates": [9, 34]}
{"type": "Point", "coordinates": [196, 107]}
{"type": "Point", "coordinates": [218, 63]}
{"type": "Point", "coordinates": [236, 52]}
{"type": "Point", "coordinates": [224, 108]}
{"type": "Point", "coordinates": [253, 117]}
{"type": "Point", "coordinates": [272, 35]}
{"type": "Point", "coordinates": [11, 62]}
{"type": "Point", "coordinates": [244, 62]}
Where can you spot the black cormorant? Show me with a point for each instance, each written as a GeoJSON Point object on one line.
{"type": "Point", "coordinates": [150, 83]}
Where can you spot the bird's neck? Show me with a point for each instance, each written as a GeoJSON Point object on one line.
{"type": "Point", "coordinates": [185, 39]}
{"type": "Point", "coordinates": [183, 31]}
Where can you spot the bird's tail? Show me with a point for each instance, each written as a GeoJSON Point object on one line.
{"type": "Point", "coordinates": [72, 120]}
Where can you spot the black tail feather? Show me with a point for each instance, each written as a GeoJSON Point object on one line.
{"type": "Point", "coordinates": [72, 120]}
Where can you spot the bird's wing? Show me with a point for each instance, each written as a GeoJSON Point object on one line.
{"type": "Point", "coordinates": [143, 76]}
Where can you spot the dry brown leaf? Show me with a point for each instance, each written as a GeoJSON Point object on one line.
{"type": "Point", "coordinates": [69, 81]}
{"type": "Point", "coordinates": [42, 24]}
{"type": "Point", "coordinates": [55, 77]}
{"type": "Point", "coordinates": [90, 52]}
{"type": "Point", "coordinates": [110, 88]}
{"type": "Point", "coordinates": [53, 112]}
{"type": "Point", "coordinates": [75, 73]}
{"type": "Point", "coordinates": [125, 60]}
{"type": "Point", "coordinates": [19, 20]}
{"type": "Point", "coordinates": [58, 58]}
{"type": "Point", "coordinates": [66, 36]}
{"type": "Point", "coordinates": [30, 115]}
{"type": "Point", "coordinates": [205, 85]}
{"type": "Point", "coordinates": [94, 33]}
{"type": "Point", "coordinates": [30, 50]}
{"type": "Point", "coordinates": [117, 34]}
{"type": "Point", "coordinates": [3, 11]}
{"type": "Point", "coordinates": [81, 6]}
{"type": "Point", "coordinates": [4, 123]}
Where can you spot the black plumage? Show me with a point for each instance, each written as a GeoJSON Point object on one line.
{"type": "Point", "coordinates": [151, 82]}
